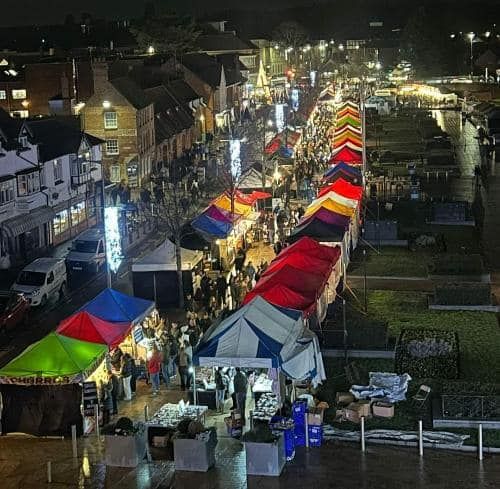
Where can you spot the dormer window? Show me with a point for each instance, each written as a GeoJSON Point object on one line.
{"type": "Point", "coordinates": [23, 141]}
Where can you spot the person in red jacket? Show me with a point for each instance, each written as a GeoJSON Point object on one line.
{"type": "Point", "coordinates": [154, 367]}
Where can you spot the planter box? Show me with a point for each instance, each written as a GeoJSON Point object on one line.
{"type": "Point", "coordinates": [265, 458]}
{"type": "Point", "coordinates": [193, 455]}
{"type": "Point", "coordinates": [125, 451]}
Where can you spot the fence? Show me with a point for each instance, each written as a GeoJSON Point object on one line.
{"type": "Point", "coordinates": [486, 408]}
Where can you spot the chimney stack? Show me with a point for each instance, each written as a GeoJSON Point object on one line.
{"type": "Point", "coordinates": [100, 76]}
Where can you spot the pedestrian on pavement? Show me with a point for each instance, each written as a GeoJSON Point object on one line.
{"type": "Point", "coordinates": [154, 367]}
{"type": "Point", "coordinates": [165, 365]}
{"type": "Point", "coordinates": [184, 362]}
{"type": "Point", "coordinates": [115, 382]}
{"type": "Point", "coordinates": [241, 388]}
{"type": "Point", "coordinates": [250, 271]}
{"type": "Point", "coordinates": [221, 286]}
{"type": "Point", "coordinates": [220, 390]}
{"type": "Point", "coordinates": [126, 375]}
{"type": "Point", "coordinates": [107, 399]}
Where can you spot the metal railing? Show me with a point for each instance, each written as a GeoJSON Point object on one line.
{"type": "Point", "coordinates": [470, 407]}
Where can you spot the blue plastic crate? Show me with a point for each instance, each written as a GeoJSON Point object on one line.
{"type": "Point", "coordinates": [315, 436]}
{"type": "Point", "coordinates": [299, 430]}
{"type": "Point", "coordinates": [299, 409]}
{"type": "Point", "coordinates": [300, 440]}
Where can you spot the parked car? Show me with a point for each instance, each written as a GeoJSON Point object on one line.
{"type": "Point", "coordinates": [14, 310]}
{"type": "Point", "coordinates": [88, 252]}
{"type": "Point", "coordinates": [42, 280]}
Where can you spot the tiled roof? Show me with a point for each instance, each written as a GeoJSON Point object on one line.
{"type": "Point", "coordinates": [131, 91]}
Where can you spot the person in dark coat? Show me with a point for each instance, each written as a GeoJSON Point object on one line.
{"type": "Point", "coordinates": [115, 382]}
{"type": "Point", "coordinates": [106, 395]}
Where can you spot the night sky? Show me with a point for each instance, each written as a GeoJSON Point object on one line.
{"type": "Point", "coordinates": [29, 12]}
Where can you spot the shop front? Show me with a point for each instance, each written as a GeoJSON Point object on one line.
{"type": "Point", "coordinates": [71, 218]}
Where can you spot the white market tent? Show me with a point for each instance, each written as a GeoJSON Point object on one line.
{"type": "Point", "coordinates": [163, 259]}
{"type": "Point", "coordinates": [252, 179]}
{"type": "Point", "coordinates": [260, 335]}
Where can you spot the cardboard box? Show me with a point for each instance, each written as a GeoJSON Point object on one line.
{"type": "Point", "coordinates": [344, 398]}
{"type": "Point", "coordinates": [364, 408]}
{"type": "Point", "coordinates": [315, 416]}
{"type": "Point", "coordinates": [383, 410]}
{"type": "Point", "coordinates": [160, 441]}
{"type": "Point", "coordinates": [356, 410]}
{"type": "Point", "coordinates": [232, 423]}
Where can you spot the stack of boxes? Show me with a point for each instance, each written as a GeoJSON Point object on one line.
{"type": "Point", "coordinates": [351, 410]}
{"type": "Point", "coordinates": [278, 425]}
{"type": "Point", "coordinates": [234, 425]}
{"type": "Point", "coordinates": [314, 423]}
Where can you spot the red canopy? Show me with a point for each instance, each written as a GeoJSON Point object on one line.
{"type": "Point", "coordinates": [273, 146]}
{"type": "Point", "coordinates": [310, 247]}
{"type": "Point", "coordinates": [347, 155]}
{"type": "Point", "coordinates": [241, 197]}
{"type": "Point", "coordinates": [297, 279]}
{"type": "Point", "coordinates": [83, 326]}
{"type": "Point", "coordinates": [256, 195]}
{"type": "Point", "coordinates": [282, 296]}
{"type": "Point", "coordinates": [300, 261]}
{"type": "Point", "coordinates": [343, 188]}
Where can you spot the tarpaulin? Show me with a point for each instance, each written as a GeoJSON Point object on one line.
{"type": "Point", "coordinates": [329, 217]}
{"type": "Point", "coordinates": [347, 155]}
{"type": "Point", "coordinates": [344, 188]}
{"type": "Point", "coordinates": [224, 202]}
{"type": "Point", "coordinates": [310, 247]}
{"type": "Point", "coordinates": [320, 230]}
{"type": "Point", "coordinates": [211, 226]}
{"type": "Point", "coordinates": [83, 326]}
{"type": "Point", "coordinates": [340, 199]}
{"type": "Point", "coordinates": [283, 296]}
{"type": "Point", "coordinates": [330, 205]}
{"type": "Point", "coordinates": [116, 307]}
{"type": "Point", "coordinates": [220, 214]}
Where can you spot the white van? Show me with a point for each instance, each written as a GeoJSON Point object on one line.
{"type": "Point", "coordinates": [42, 280]}
{"type": "Point", "coordinates": [87, 252]}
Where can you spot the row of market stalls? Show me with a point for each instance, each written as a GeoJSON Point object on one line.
{"type": "Point", "coordinates": [273, 326]}
{"type": "Point", "coordinates": [347, 143]}
{"type": "Point", "coordinates": [209, 242]}
{"type": "Point", "coordinates": [53, 383]}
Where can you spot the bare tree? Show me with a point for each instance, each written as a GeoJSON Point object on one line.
{"type": "Point", "coordinates": [179, 209]}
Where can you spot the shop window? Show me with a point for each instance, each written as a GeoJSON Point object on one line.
{"type": "Point", "coordinates": [112, 147]}
{"type": "Point", "coordinates": [6, 191]}
{"type": "Point", "coordinates": [110, 120]}
{"type": "Point", "coordinates": [60, 223]}
{"type": "Point", "coordinates": [78, 213]}
{"type": "Point", "coordinates": [28, 183]}
{"type": "Point", "coordinates": [115, 173]}
{"type": "Point", "coordinates": [19, 94]}
{"type": "Point", "coordinates": [3, 94]}
{"type": "Point", "coordinates": [20, 114]}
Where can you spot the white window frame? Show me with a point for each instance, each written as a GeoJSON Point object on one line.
{"type": "Point", "coordinates": [110, 122]}
{"type": "Point", "coordinates": [57, 169]}
{"type": "Point", "coordinates": [112, 151]}
{"type": "Point", "coordinates": [23, 141]}
{"type": "Point", "coordinates": [3, 95]}
{"type": "Point", "coordinates": [19, 93]}
{"type": "Point", "coordinates": [31, 181]}
{"type": "Point", "coordinates": [7, 191]}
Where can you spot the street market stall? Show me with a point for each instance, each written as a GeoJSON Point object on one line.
{"type": "Point", "coordinates": [41, 388]}
{"type": "Point", "coordinates": [155, 276]}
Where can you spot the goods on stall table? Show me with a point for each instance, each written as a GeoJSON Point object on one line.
{"type": "Point", "coordinates": [266, 406]}
{"type": "Point", "coordinates": [169, 415]}
{"type": "Point", "coordinates": [279, 424]}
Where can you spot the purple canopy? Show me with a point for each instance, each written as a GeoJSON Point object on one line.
{"type": "Point", "coordinates": [329, 217]}
{"type": "Point", "coordinates": [219, 214]}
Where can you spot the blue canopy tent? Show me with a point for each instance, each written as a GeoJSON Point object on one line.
{"type": "Point", "coordinates": [355, 172]}
{"type": "Point", "coordinates": [260, 335]}
{"type": "Point", "coordinates": [205, 224]}
{"type": "Point", "coordinates": [111, 305]}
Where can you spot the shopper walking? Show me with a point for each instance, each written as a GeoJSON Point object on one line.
{"type": "Point", "coordinates": [184, 361]}
{"type": "Point", "coordinates": [126, 375]}
{"type": "Point", "coordinates": [220, 390]}
{"type": "Point", "coordinates": [240, 389]}
{"type": "Point", "coordinates": [154, 367]}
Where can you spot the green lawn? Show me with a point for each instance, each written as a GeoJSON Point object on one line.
{"type": "Point", "coordinates": [478, 332]}
{"type": "Point", "coordinates": [390, 261]}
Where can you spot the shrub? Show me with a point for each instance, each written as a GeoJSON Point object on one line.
{"type": "Point", "coordinates": [463, 294]}
{"type": "Point", "coordinates": [427, 353]}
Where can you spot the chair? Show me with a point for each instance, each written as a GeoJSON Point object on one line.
{"type": "Point", "coordinates": [420, 398]}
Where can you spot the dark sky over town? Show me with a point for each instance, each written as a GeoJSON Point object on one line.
{"type": "Point", "coordinates": [30, 12]}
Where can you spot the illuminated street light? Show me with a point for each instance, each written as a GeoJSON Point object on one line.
{"type": "Point", "coordinates": [452, 36]}
{"type": "Point", "coordinates": [471, 37]}
{"type": "Point", "coordinates": [378, 65]}
{"type": "Point", "coordinates": [341, 47]}
{"type": "Point", "coordinates": [487, 34]}
{"type": "Point", "coordinates": [106, 104]}
{"type": "Point", "coordinates": [151, 50]}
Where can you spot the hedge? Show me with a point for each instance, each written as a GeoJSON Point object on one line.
{"type": "Point", "coordinates": [428, 353]}
{"type": "Point", "coordinates": [455, 264]}
{"type": "Point", "coordinates": [463, 294]}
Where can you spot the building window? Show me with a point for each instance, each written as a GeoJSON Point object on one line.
{"type": "Point", "coordinates": [3, 94]}
{"type": "Point", "coordinates": [78, 213]}
{"type": "Point", "coordinates": [110, 120]}
{"type": "Point", "coordinates": [28, 183]}
{"type": "Point", "coordinates": [23, 141]}
{"type": "Point", "coordinates": [6, 191]}
{"type": "Point", "coordinates": [79, 167]}
{"type": "Point", "coordinates": [60, 222]}
{"type": "Point", "coordinates": [19, 94]}
{"type": "Point", "coordinates": [58, 171]}
{"type": "Point", "coordinates": [115, 173]}
{"type": "Point", "coordinates": [112, 147]}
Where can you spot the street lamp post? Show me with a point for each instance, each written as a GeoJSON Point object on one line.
{"type": "Point", "coordinates": [471, 37]}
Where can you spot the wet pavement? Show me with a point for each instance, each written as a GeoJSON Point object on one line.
{"type": "Point", "coordinates": [23, 465]}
